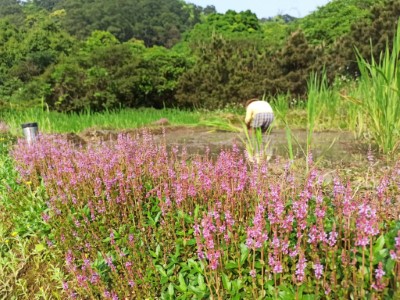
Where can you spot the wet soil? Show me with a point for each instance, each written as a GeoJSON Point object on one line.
{"type": "Point", "coordinates": [330, 146]}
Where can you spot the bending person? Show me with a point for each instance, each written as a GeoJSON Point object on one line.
{"type": "Point", "coordinates": [259, 115]}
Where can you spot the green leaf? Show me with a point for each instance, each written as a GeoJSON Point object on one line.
{"type": "Point", "coordinates": [188, 219]}
{"type": "Point", "coordinates": [258, 265]}
{"type": "Point", "coordinates": [270, 287]}
{"type": "Point", "coordinates": [237, 297]}
{"type": "Point", "coordinates": [199, 293]}
{"type": "Point", "coordinates": [196, 212]}
{"type": "Point", "coordinates": [286, 293]}
{"type": "Point", "coordinates": [182, 283]}
{"type": "Point", "coordinates": [157, 217]}
{"type": "Point", "coordinates": [380, 255]}
{"type": "Point", "coordinates": [177, 249]}
{"type": "Point", "coordinates": [153, 254]}
{"type": "Point", "coordinates": [237, 285]}
{"type": "Point", "coordinates": [231, 265]}
{"type": "Point", "coordinates": [244, 253]}
{"type": "Point", "coordinates": [161, 270]}
{"type": "Point", "coordinates": [171, 290]}
{"type": "Point", "coordinates": [390, 265]}
{"type": "Point", "coordinates": [171, 270]}
{"type": "Point", "coordinates": [190, 242]}
{"type": "Point", "coordinates": [193, 264]}
{"type": "Point", "coordinates": [378, 245]}
{"type": "Point", "coordinates": [226, 282]}
{"type": "Point", "coordinates": [164, 279]}
{"type": "Point", "coordinates": [200, 281]}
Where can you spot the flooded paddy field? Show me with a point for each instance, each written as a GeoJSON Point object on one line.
{"type": "Point", "coordinates": [330, 147]}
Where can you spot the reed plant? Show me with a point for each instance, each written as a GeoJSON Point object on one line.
{"type": "Point", "coordinates": [380, 95]}
{"type": "Point", "coordinates": [280, 106]}
{"type": "Point", "coordinates": [316, 89]}
{"type": "Point", "coordinates": [324, 101]}
{"type": "Point", "coordinates": [324, 109]}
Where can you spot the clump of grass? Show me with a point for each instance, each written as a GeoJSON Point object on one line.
{"type": "Point", "coordinates": [380, 94]}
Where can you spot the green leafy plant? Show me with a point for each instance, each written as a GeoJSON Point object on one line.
{"type": "Point", "coordinates": [380, 92]}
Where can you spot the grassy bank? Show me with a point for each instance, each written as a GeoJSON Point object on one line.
{"type": "Point", "coordinates": [55, 122]}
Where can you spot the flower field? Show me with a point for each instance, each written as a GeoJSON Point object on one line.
{"type": "Point", "coordinates": [133, 219]}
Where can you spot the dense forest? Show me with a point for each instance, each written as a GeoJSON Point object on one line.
{"type": "Point", "coordinates": [72, 55]}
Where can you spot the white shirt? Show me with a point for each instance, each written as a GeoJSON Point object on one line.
{"type": "Point", "coordinates": [256, 107]}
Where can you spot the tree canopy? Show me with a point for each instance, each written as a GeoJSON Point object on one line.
{"type": "Point", "coordinates": [98, 54]}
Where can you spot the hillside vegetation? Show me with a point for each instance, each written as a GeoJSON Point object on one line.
{"type": "Point", "coordinates": [74, 55]}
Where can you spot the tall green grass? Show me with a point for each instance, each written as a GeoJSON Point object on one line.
{"type": "Point", "coordinates": [318, 101]}
{"type": "Point", "coordinates": [50, 121]}
{"type": "Point", "coordinates": [257, 144]}
{"type": "Point", "coordinates": [323, 102]}
{"type": "Point", "coordinates": [380, 96]}
{"type": "Point", "coordinates": [281, 108]}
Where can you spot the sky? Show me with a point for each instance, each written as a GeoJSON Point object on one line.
{"type": "Point", "coordinates": [265, 8]}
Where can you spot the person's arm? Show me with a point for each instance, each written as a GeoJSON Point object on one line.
{"type": "Point", "coordinates": [249, 115]}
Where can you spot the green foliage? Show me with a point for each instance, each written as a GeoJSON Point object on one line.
{"type": "Point", "coordinates": [377, 29]}
{"type": "Point", "coordinates": [294, 62]}
{"type": "Point", "coordinates": [27, 52]}
{"type": "Point", "coordinates": [51, 121]}
{"type": "Point", "coordinates": [334, 20]}
{"type": "Point", "coordinates": [46, 4]}
{"type": "Point", "coordinates": [226, 72]}
{"type": "Point", "coordinates": [380, 94]}
{"type": "Point", "coordinates": [223, 60]}
{"type": "Point", "coordinates": [229, 25]}
{"type": "Point", "coordinates": [275, 31]}
{"type": "Point", "coordinates": [107, 74]}
{"type": "Point", "coordinates": [99, 39]}
{"type": "Point", "coordinates": [154, 22]}
{"type": "Point", "coordinates": [12, 11]}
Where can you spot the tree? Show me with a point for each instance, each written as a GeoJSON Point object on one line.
{"type": "Point", "coordinates": [295, 62]}
{"type": "Point", "coordinates": [154, 22]}
{"type": "Point", "coordinates": [40, 46]}
{"type": "Point", "coordinates": [377, 30]}
{"type": "Point", "coordinates": [47, 4]}
{"type": "Point", "coordinates": [334, 19]}
{"type": "Point", "coordinates": [231, 24]}
{"type": "Point", "coordinates": [225, 71]}
{"type": "Point", "coordinates": [12, 10]}
{"type": "Point", "coordinates": [275, 31]}
{"type": "Point", "coordinates": [10, 7]}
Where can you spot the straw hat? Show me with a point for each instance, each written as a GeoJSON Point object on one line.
{"type": "Point", "coordinates": [250, 101]}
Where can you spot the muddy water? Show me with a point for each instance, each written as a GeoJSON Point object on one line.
{"type": "Point", "coordinates": [331, 146]}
